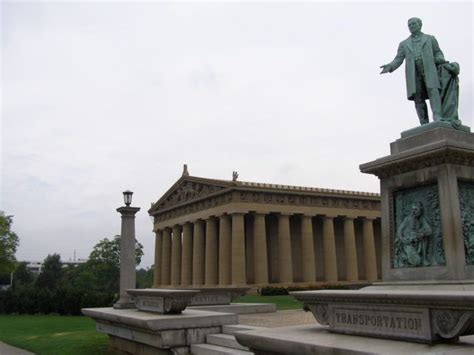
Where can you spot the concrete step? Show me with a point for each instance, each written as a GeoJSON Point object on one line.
{"type": "Point", "coordinates": [208, 349]}
{"type": "Point", "coordinates": [232, 329]}
{"type": "Point", "coordinates": [226, 340]}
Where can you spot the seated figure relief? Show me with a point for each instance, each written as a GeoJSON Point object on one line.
{"type": "Point", "coordinates": [413, 234]}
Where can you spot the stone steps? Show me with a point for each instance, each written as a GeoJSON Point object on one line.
{"type": "Point", "coordinates": [225, 343]}
{"type": "Point", "coordinates": [209, 349]}
{"type": "Point", "coordinates": [233, 328]}
{"type": "Point", "coordinates": [225, 340]}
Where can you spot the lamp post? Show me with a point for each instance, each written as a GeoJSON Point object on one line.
{"type": "Point", "coordinates": [127, 252]}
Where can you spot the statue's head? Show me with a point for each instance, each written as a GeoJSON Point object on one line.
{"type": "Point", "coordinates": [414, 24]}
{"type": "Point", "coordinates": [417, 209]}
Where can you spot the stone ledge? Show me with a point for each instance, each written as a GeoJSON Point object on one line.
{"type": "Point", "coordinates": [422, 316]}
{"type": "Point", "coordinates": [430, 148]}
{"type": "Point", "coordinates": [162, 334]}
{"type": "Point", "coordinates": [188, 319]}
{"type": "Point", "coordinates": [314, 339]}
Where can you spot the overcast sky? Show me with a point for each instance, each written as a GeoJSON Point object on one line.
{"type": "Point", "coordinates": [100, 97]}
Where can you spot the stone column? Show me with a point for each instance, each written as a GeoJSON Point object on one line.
{"type": "Point", "coordinates": [166, 257]}
{"type": "Point", "coordinates": [210, 277]}
{"type": "Point", "coordinates": [260, 249]}
{"type": "Point", "coordinates": [369, 250]}
{"type": "Point", "coordinates": [198, 253]}
{"type": "Point", "coordinates": [284, 249]}
{"type": "Point", "coordinates": [128, 274]}
{"type": "Point", "coordinates": [187, 255]}
{"type": "Point", "coordinates": [238, 249]}
{"type": "Point", "coordinates": [307, 248]}
{"type": "Point", "coordinates": [329, 248]}
{"type": "Point", "coordinates": [350, 251]}
{"type": "Point", "coordinates": [158, 248]}
{"type": "Point", "coordinates": [225, 233]}
{"type": "Point", "coordinates": [176, 256]}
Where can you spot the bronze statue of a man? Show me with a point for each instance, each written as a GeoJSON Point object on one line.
{"type": "Point", "coordinates": [422, 54]}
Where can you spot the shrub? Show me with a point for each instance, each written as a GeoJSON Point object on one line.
{"type": "Point", "coordinates": [273, 291]}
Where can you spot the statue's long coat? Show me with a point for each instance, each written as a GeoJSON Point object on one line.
{"type": "Point", "coordinates": [431, 55]}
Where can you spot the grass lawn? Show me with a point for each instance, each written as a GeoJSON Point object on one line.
{"type": "Point", "coordinates": [282, 302]}
{"type": "Point", "coordinates": [58, 335]}
{"type": "Point", "coordinates": [53, 334]}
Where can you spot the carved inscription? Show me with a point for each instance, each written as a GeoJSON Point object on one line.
{"type": "Point", "coordinates": [209, 299]}
{"type": "Point", "coordinates": [386, 321]}
{"type": "Point", "coordinates": [152, 305]}
{"type": "Point", "coordinates": [389, 322]}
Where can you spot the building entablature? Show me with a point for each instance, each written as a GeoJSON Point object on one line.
{"type": "Point", "coordinates": [192, 198]}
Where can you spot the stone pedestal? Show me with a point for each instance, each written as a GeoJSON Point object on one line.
{"type": "Point", "coordinates": [432, 171]}
{"type": "Point", "coordinates": [127, 256]}
{"type": "Point", "coordinates": [427, 294]}
{"type": "Point", "coordinates": [138, 332]}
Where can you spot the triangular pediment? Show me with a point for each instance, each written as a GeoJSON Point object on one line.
{"type": "Point", "coordinates": [187, 189]}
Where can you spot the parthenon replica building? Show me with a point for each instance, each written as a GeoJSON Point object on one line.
{"type": "Point", "coordinates": [227, 232]}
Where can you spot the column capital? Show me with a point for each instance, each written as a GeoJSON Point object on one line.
{"type": "Point", "coordinates": [258, 213]}
{"type": "Point", "coordinates": [329, 216]}
{"type": "Point", "coordinates": [365, 218]}
{"type": "Point", "coordinates": [237, 213]}
{"type": "Point", "coordinates": [177, 226]}
{"type": "Point", "coordinates": [286, 214]}
{"type": "Point", "coordinates": [347, 218]}
{"type": "Point", "coordinates": [127, 211]}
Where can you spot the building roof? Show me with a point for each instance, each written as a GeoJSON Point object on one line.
{"type": "Point", "coordinates": [183, 190]}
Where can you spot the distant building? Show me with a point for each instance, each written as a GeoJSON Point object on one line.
{"type": "Point", "coordinates": [36, 266]}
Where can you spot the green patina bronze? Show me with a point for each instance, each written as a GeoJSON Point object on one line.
{"type": "Point", "coordinates": [417, 238]}
{"type": "Point", "coordinates": [466, 201]}
{"type": "Point", "coordinates": [428, 76]}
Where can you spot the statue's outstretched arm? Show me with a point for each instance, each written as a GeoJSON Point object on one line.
{"type": "Point", "coordinates": [395, 63]}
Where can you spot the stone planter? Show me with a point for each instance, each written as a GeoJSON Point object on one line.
{"type": "Point", "coordinates": [208, 296]}
{"type": "Point", "coordinates": [162, 301]}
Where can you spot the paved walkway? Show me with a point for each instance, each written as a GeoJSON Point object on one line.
{"type": "Point", "coordinates": [6, 349]}
{"type": "Point", "coordinates": [278, 319]}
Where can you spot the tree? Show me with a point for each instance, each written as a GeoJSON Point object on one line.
{"type": "Point", "coordinates": [104, 261]}
{"type": "Point", "coordinates": [22, 275]}
{"type": "Point", "coordinates": [51, 272]}
{"type": "Point", "coordinates": [145, 277]}
{"type": "Point", "coordinates": [8, 244]}
{"type": "Point", "coordinates": [108, 252]}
